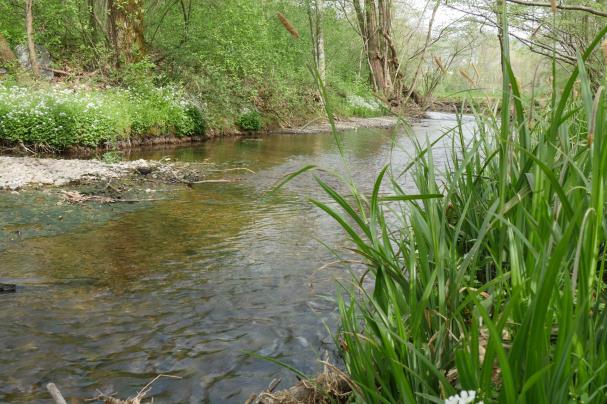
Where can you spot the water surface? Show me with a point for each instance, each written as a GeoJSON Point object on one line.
{"type": "Point", "coordinates": [113, 295]}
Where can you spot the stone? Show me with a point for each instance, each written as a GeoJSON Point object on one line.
{"type": "Point", "coordinates": [144, 170]}
{"type": "Point", "coordinates": [8, 288]}
{"type": "Point", "coordinates": [44, 60]}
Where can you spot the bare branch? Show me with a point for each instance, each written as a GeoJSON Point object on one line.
{"type": "Point", "coordinates": [560, 7]}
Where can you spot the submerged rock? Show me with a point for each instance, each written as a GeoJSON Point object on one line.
{"type": "Point", "coordinates": [8, 288]}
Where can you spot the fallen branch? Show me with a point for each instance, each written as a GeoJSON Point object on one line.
{"type": "Point", "coordinates": [234, 169]}
{"type": "Point", "coordinates": [134, 400]}
{"type": "Point", "coordinates": [221, 181]}
{"type": "Point", "coordinates": [76, 197]}
{"type": "Point", "coordinates": [57, 71]}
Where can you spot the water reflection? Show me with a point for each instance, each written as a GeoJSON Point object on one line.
{"type": "Point", "coordinates": [114, 296]}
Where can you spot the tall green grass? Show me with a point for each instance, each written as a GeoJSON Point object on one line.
{"type": "Point", "coordinates": [492, 277]}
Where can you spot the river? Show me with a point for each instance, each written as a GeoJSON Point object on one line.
{"type": "Point", "coordinates": [112, 295]}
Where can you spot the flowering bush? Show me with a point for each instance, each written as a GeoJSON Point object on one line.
{"type": "Point", "coordinates": [61, 117]}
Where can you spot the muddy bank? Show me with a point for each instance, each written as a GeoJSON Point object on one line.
{"type": "Point", "coordinates": [316, 126]}
{"type": "Point", "coordinates": [20, 172]}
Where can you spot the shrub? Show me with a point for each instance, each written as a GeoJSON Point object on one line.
{"type": "Point", "coordinates": [197, 119]}
{"type": "Point", "coordinates": [250, 121]}
{"type": "Point", "coordinates": [111, 157]}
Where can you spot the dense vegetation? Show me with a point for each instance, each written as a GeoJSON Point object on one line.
{"type": "Point", "coordinates": [490, 281]}
{"type": "Point", "coordinates": [232, 60]}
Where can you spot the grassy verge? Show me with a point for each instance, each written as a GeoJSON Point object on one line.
{"type": "Point", "coordinates": [492, 278]}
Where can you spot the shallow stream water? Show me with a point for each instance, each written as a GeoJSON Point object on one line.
{"type": "Point", "coordinates": [112, 295]}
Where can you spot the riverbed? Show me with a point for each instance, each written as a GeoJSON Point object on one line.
{"type": "Point", "coordinates": [112, 295]}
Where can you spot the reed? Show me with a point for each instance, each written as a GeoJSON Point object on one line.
{"type": "Point", "coordinates": [491, 278]}
{"type": "Point", "coordinates": [288, 26]}
{"type": "Point", "coordinates": [488, 284]}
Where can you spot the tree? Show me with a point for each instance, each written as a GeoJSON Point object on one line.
{"type": "Point", "coordinates": [315, 10]}
{"type": "Point", "coordinates": [545, 28]}
{"type": "Point", "coordinates": [31, 45]}
{"type": "Point", "coordinates": [126, 30]}
{"type": "Point", "coordinates": [374, 19]}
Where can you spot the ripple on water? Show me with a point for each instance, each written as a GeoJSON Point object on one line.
{"type": "Point", "coordinates": [113, 296]}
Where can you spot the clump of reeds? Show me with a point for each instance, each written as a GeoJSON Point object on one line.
{"type": "Point", "coordinates": [490, 278]}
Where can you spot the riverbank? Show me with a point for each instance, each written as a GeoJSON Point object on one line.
{"type": "Point", "coordinates": [19, 172]}
{"type": "Point", "coordinates": [31, 172]}
{"type": "Point", "coordinates": [319, 126]}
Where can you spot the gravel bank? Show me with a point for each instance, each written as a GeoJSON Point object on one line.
{"type": "Point", "coordinates": [382, 122]}
{"type": "Point", "coordinates": [19, 172]}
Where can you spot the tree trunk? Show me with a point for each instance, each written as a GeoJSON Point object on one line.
{"type": "Point", "coordinates": [29, 27]}
{"type": "Point", "coordinates": [125, 25]}
{"type": "Point", "coordinates": [374, 51]}
{"type": "Point", "coordinates": [315, 10]}
{"type": "Point", "coordinates": [7, 57]}
{"type": "Point", "coordinates": [422, 57]}
{"type": "Point", "coordinates": [374, 19]}
{"type": "Point", "coordinates": [322, 64]}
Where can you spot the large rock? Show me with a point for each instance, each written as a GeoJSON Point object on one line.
{"type": "Point", "coordinates": [44, 60]}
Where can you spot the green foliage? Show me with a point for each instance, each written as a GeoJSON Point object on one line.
{"type": "Point", "coordinates": [61, 117]}
{"type": "Point", "coordinates": [227, 55]}
{"type": "Point", "coordinates": [250, 121]}
{"type": "Point", "coordinates": [234, 54]}
{"type": "Point", "coordinates": [197, 118]}
{"type": "Point", "coordinates": [354, 98]}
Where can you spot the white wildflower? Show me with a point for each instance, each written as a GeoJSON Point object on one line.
{"type": "Point", "coordinates": [464, 397]}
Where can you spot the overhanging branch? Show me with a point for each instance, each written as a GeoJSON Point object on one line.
{"type": "Point", "coordinates": [560, 7]}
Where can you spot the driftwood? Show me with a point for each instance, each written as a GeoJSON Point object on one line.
{"type": "Point", "coordinates": [221, 181]}
{"type": "Point", "coordinates": [55, 393]}
{"type": "Point", "coordinates": [58, 397]}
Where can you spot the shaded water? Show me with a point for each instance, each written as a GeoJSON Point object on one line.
{"type": "Point", "coordinates": [113, 295]}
